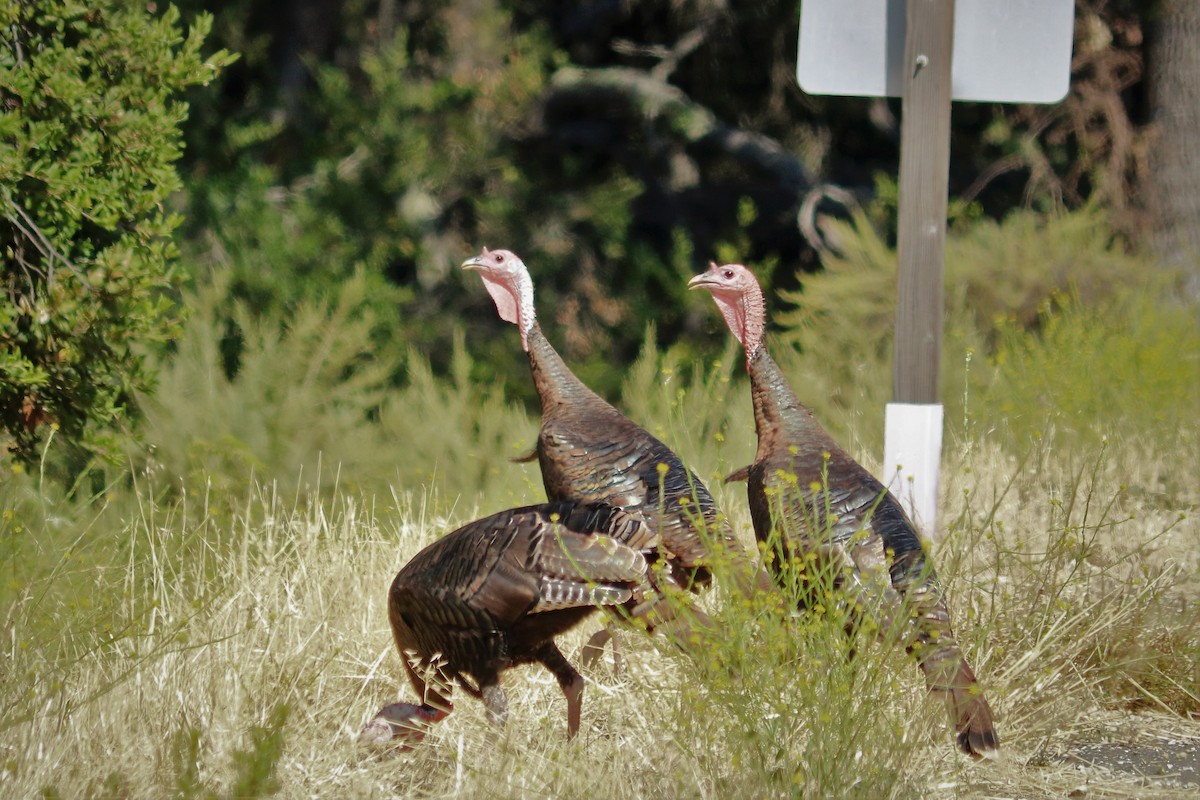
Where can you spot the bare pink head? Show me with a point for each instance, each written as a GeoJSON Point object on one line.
{"type": "Point", "coordinates": [508, 282]}
{"type": "Point", "coordinates": [738, 296]}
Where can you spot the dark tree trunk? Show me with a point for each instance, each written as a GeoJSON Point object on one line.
{"type": "Point", "coordinates": [1174, 83]}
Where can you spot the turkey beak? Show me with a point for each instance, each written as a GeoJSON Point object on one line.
{"type": "Point", "coordinates": [699, 282]}
{"type": "Point", "coordinates": [474, 262]}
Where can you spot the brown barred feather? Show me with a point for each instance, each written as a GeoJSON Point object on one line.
{"type": "Point", "coordinates": [495, 593]}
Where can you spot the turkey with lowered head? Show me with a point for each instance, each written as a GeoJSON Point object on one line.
{"type": "Point", "coordinates": [494, 594]}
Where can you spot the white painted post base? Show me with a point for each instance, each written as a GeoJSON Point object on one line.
{"type": "Point", "coordinates": [912, 455]}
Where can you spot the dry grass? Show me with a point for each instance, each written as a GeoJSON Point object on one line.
{"type": "Point", "coordinates": [241, 655]}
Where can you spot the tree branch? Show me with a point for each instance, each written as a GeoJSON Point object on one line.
{"type": "Point", "coordinates": [660, 102]}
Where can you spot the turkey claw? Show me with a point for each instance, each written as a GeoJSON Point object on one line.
{"type": "Point", "coordinates": [404, 722]}
{"type": "Point", "coordinates": [594, 649]}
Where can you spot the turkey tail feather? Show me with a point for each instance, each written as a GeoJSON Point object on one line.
{"type": "Point", "coordinates": [974, 728]}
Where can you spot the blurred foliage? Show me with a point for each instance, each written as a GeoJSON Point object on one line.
{"type": "Point", "coordinates": [1052, 330]}
{"type": "Point", "coordinates": [420, 158]}
{"type": "Point", "coordinates": [1001, 277]}
{"type": "Point", "coordinates": [993, 270]}
{"type": "Point", "coordinates": [396, 139]}
{"type": "Point", "coordinates": [1126, 367]}
{"type": "Point", "coordinates": [304, 391]}
{"type": "Point", "coordinates": [311, 408]}
{"type": "Point", "coordinates": [368, 146]}
{"type": "Point", "coordinates": [90, 120]}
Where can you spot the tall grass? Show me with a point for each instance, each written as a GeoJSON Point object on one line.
{"type": "Point", "coordinates": [214, 625]}
{"type": "Point", "coordinates": [237, 654]}
{"type": "Point", "coordinates": [242, 656]}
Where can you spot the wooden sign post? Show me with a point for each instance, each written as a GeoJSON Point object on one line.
{"type": "Point", "coordinates": [913, 423]}
{"type": "Point", "coordinates": [1015, 51]}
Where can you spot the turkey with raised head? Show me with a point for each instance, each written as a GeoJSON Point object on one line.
{"type": "Point", "coordinates": [590, 452]}
{"type": "Point", "coordinates": [494, 594]}
{"type": "Point", "coordinates": [809, 498]}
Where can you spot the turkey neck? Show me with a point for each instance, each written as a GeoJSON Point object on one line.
{"type": "Point", "coordinates": [556, 385]}
{"type": "Point", "coordinates": [780, 419]}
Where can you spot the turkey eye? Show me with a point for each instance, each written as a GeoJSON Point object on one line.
{"type": "Point", "coordinates": [499, 259]}
{"type": "Point", "coordinates": [728, 273]}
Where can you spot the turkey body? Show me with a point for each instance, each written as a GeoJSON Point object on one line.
{"type": "Point", "coordinates": [807, 495]}
{"type": "Point", "coordinates": [590, 452]}
{"type": "Point", "coordinates": [495, 593]}
{"type": "Point", "coordinates": [813, 504]}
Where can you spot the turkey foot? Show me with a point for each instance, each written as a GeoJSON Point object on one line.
{"type": "Point", "coordinates": [406, 722]}
{"type": "Point", "coordinates": [594, 650]}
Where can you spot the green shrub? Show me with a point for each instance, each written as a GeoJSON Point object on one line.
{"type": "Point", "coordinates": [1125, 369]}
{"type": "Point", "coordinates": [1000, 279]}
{"type": "Point", "coordinates": [296, 410]}
{"type": "Point", "coordinates": [90, 126]}
{"type": "Point", "coordinates": [310, 404]}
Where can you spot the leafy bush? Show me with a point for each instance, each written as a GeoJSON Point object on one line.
{"type": "Point", "coordinates": [1124, 368]}
{"type": "Point", "coordinates": [999, 278]}
{"type": "Point", "coordinates": [380, 188]}
{"type": "Point", "coordinates": [296, 409]}
{"type": "Point", "coordinates": [90, 125]}
{"type": "Point", "coordinates": [310, 403]}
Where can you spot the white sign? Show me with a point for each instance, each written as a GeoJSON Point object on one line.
{"type": "Point", "coordinates": [1005, 51]}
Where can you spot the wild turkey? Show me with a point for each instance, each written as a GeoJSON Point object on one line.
{"type": "Point", "coordinates": [809, 498]}
{"type": "Point", "coordinates": [590, 452]}
{"type": "Point", "coordinates": [494, 594]}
